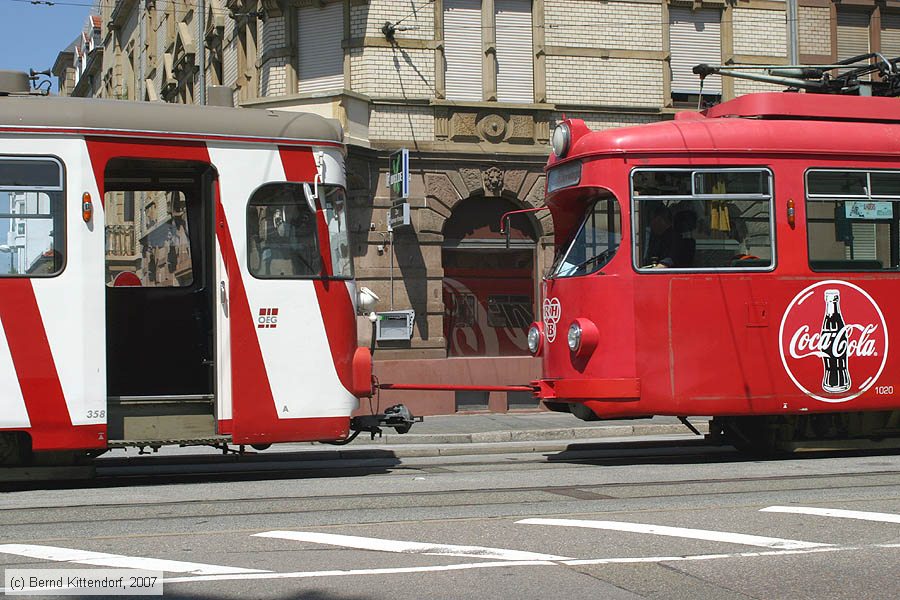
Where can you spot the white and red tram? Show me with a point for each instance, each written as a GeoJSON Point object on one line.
{"type": "Point", "coordinates": [172, 274]}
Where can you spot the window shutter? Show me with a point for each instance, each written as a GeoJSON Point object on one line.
{"type": "Point", "coordinates": [515, 55]}
{"type": "Point", "coordinates": [890, 35]}
{"type": "Point", "coordinates": [463, 50]}
{"type": "Point", "coordinates": [852, 34]}
{"type": "Point", "coordinates": [320, 34]}
{"type": "Point", "coordinates": [694, 38]}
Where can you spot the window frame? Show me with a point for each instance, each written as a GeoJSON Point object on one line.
{"type": "Point", "coordinates": [598, 266]}
{"type": "Point", "coordinates": [693, 170]}
{"type": "Point", "coordinates": [322, 275]}
{"type": "Point", "coordinates": [62, 219]}
{"type": "Point", "coordinates": [867, 197]}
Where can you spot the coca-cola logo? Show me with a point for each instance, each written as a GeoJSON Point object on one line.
{"type": "Point", "coordinates": [833, 341]}
{"type": "Point", "coordinates": [551, 313]}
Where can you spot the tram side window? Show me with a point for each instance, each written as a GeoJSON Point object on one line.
{"type": "Point", "coordinates": [281, 234]}
{"type": "Point", "coordinates": [852, 220]}
{"type": "Point", "coordinates": [32, 217]}
{"type": "Point", "coordinates": [703, 218]}
{"type": "Point", "coordinates": [595, 243]}
{"type": "Point", "coordinates": [147, 239]}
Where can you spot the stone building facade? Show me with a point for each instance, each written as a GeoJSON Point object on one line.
{"type": "Point", "coordinates": [472, 88]}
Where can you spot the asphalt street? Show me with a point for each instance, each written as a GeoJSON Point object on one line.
{"type": "Point", "coordinates": [637, 518]}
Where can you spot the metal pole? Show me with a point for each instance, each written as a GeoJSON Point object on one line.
{"type": "Point", "coordinates": [202, 49]}
{"type": "Point", "coordinates": [793, 33]}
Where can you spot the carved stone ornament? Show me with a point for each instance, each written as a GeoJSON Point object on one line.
{"type": "Point", "coordinates": [492, 127]}
{"type": "Point", "coordinates": [493, 181]}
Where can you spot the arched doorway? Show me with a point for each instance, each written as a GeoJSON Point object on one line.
{"type": "Point", "coordinates": [488, 289]}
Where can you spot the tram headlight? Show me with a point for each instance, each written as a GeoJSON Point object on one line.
{"type": "Point", "coordinates": [535, 338]}
{"type": "Point", "coordinates": [574, 336]}
{"type": "Point", "coordinates": [583, 337]}
{"type": "Point", "coordinates": [560, 139]}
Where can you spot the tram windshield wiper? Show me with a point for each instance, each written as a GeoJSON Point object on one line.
{"type": "Point", "coordinates": [605, 255]}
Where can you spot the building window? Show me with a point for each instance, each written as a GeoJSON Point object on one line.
{"type": "Point", "coordinates": [852, 220]}
{"type": "Point", "coordinates": [694, 38]}
{"type": "Point", "coordinates": [703, 219]}
{"type": "Point", "coordinates": [281, 234]}
{"type": "Point", "coordinates": [320, 34]}
{"type": "Point", "coordinates": [32, 217]}
{"type": "Point", "coordinates": [509, 45]}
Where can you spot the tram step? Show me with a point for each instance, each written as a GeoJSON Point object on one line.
{"type": "Point", "coordinates": [204, 441]}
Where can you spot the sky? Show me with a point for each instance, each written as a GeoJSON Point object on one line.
{"type": "Point", "coordinates": [31, 36]}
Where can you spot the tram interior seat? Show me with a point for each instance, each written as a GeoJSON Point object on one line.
{"type": "Point", "coordinates": [846, 265]}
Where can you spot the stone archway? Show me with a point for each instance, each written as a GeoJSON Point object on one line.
{"type": "Point", "coordinates": [488, 288]}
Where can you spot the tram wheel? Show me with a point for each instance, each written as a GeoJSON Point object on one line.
{"type": "Point", "coordinates": [260, 447]}
{"type": "Point", "coordinates": [760, 436]}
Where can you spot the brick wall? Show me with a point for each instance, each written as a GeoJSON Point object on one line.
{"type": "Point", "coordinates": [273, 73]}
{"type": "Point", "coordinates": [392, 72]}
{"type": "Point", "coordinates": [744, 86]}
{"type": "Point", "coordinates": [593, 24]}
{"type": "Point", "coordinates": [760, 32]}
{"type": "Point", "coordinates": [607, 82]}
{"type": "Point", "coordinates": [401, 123]}
{"type": "Point", "coordinates": [366, 20]}
{"type": "Point", "coordinates": [814, 30]}
{"type": "Point", "coordinates": [601, 121]}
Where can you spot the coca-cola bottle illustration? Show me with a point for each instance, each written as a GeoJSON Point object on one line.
{"type": "Point", "coordinates": [837, 377]}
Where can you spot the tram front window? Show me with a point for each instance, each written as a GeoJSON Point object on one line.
{"type": "Point", "coordinates": [596, 242]}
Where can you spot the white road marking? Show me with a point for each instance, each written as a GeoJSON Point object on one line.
{"type": "Point", "coordinates": [835, 512]}
{"type": "Point", "coordinates": [364, 543]}
{"type": "Point", "coordinates": [525, 563]}
{"type": "Point", "coordinates": [102, 559]}
{"type": "Point", "coordinates": [696, 534]}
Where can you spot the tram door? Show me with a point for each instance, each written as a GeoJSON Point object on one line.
{"type": "Point", "coordinates": [160, 319]}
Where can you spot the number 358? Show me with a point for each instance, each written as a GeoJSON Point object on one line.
{"type": "Point", "coordinates": [96, 414]}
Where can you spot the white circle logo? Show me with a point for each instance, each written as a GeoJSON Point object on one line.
{"type": "Point", "coordinates": [833, 341]}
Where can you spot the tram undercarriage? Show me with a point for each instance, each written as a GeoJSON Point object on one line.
{"type": "Point", "coordinates": [769, 434]}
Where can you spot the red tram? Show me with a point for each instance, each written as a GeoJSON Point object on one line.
{"type": "Point", "coordinates": [739, 262]}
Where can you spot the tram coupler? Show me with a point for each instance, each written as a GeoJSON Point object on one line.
{"type": "Point", "coordinates": [397, 416]}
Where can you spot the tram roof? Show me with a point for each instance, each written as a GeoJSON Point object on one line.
{"type": "Point", "coordinates": [91, 114]}
{"type": "Point", "coordinates": [776, 123]}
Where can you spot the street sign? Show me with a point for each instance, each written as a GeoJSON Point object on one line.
{"type": "Point", "coordinates": [398, 175]}
{"type": "Point", "coordinates": [398, 215]}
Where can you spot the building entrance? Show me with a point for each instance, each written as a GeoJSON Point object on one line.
{"type": "Point", "coordinates": [488, 289]}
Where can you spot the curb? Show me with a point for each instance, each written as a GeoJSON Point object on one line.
{"type": "Point", "coordinates": [573, 433]}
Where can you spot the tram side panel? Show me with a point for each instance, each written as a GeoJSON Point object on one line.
{"type": "Point", "coordinates": [284, 385]}
{"type": "Point", "coordinates": [52, 357]}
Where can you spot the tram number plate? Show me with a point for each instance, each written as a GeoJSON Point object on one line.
{"type": "Point", "coordinates": [884, 390]}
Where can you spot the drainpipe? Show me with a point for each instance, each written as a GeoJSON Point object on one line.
{"type": "Point", "coordinates": [793, 33]}
{"type": "Point", "coordinates": [201, 43]}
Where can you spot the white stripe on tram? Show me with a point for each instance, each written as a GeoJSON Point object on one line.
{"type": "Point", "coordinates": [835, 512]}
{"type": "Point", "coordinates": [102, 559]}
{"type": "Point", "coordinates": [363, 543]}
{"type": "Point", "coordinates": [681, 532]}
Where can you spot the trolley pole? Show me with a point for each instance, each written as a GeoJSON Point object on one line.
{"type": "Point", "coordinates": [793, 33]}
